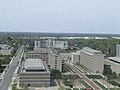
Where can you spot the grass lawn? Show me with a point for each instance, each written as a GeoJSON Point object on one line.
{"type": "Point", "coordinates": [94, 76]}
{"type": "Point", "coordinates": [101, 86]}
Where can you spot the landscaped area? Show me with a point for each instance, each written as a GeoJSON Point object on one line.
{"type": "Point", "coordinates": [101, 86]}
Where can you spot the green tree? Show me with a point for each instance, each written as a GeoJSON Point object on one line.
{"type": "Point", "coordinates": [56, 73]}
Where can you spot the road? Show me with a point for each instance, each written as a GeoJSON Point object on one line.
{"type": "Point", "coordinates": [6, 81]}
{"type": "Point", "coordinates": [92, 84]}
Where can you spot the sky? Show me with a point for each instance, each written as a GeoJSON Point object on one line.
{"type": "Point", "coordinates": [64, 16]}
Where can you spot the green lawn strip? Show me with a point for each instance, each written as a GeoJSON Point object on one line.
{"type": "Point", "coordinates": [114, 83]}
{"type": "Point", "coordinates": [76, 89]}
{"type": "Point", "coordinates": [101, 86]}
{"type": "Point", "coordinates": [114, 88]}
{"type": "Point", "coordinates": [85, 84]}
{"type": "Point", "coordinates": [94, 76]}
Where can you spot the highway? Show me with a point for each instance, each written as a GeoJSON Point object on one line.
{"type": "Point", "coordinates": [6, 81]}
{"type": "Point", "coordinates": [92, 84]}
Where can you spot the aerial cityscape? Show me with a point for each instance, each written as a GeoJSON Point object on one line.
{"type": "Point", "coordinates": [59, 44]}
{"type": "Point", "coordinates": [54, 61]}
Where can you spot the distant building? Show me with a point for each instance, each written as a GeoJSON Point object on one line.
{"type": "Point", "coordinates": [92, 59]}
{"type": "Point", "coordinates": [40, 44]}
{"type": "Point", "coordinates": [50, 44]}
{"type": "Point", "coordinates": [60, 44]}
{"type": "Point", "coordinates": [34, 73]}
{"type": "Point", "coordinates": [117, 50]}
{"type": "Point", "coordinates": [114, 63]}
{"type": "Point", "coordinates": [75, 57]}
{"type": "Point", "coordinates": [5, 49]}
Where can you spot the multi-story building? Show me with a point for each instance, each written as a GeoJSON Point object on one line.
{"type": "Point", "coordinates": [114, 63]}
{"type": "Point", "coordinates": [60, 44]}
{"type": "Point", "coordinates": [48, 55]}
{"type": "Point", "coordinates": [117, 50]}
{"type": "Point", "coordinates": [55, 60]}
{"type": "Point", "coordinates": [75, 57]}
{"type": "Point", "coordinates": [34, 73]}
{"type": "Point", "coordinates": [5, 49]}
{"type": "Point", "coordinates": [50, 44]}
{"type": "Point", "coordinates": [40, 53]}
{"type": "Point", "coordinates": [40, 44]}
{"type": "Point", "coordinates": [92, 59]}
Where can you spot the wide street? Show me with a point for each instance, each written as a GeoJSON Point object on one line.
{"type": "Point", "coordinates": [6, 81]}
{"type": "Point", "coordinates": [91, 83]}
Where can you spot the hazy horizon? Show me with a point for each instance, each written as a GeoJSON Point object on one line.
{"type": "Point", "coordinates": [60, 16]}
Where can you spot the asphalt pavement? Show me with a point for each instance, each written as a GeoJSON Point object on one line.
{"type": "Point", "coordinates": [91, 83]}
{"type": "Point", "coordinates": [6, 81]}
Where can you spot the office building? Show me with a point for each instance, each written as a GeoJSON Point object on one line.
{"type": "Point", "coordinates": [50, 44]}
{"type": "Point", "coordinates": [117, 50]}
{"type": "Point", "coordinates": [34, 73]}
{"type": "Point", "coordinates": [50, 56]}
{"type": "Point", "coordinates": [60, 44]}
{"type": "Point", "coordinates": [41, 53]}
{"type": "Point", "coordinates": [92, 59]}
{"type": "Point", "coordinates": [114, 63]}
{"type": "Point", "coordinates": [40, 44]}
{"type": "Point", "coordinates": [5, 49]}
{"type": "Point", "coordinates": [55, 60]}
{"type": "Point", "coordinates": [75, 57]}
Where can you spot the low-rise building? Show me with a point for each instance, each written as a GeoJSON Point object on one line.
{"type": "Point", "coordinates": [5, 49]}
{"type": "Point", "coordinates": [92, 59]}
{"type": "Point", "coordinates": [34, 73]}
{"type": "Point", "coordinates": [114, 63]}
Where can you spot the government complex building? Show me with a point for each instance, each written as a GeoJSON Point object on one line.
{"type": "Point", "coordinates": [34, 73]}
{"type": "Point", "coordinates": [92, 59]}
{"type": "Point", "coordinates": [51, 56]}
{"type": "Point", "coordinates": [50, 44]}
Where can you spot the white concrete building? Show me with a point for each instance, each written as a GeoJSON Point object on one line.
{"type": "Point", "coordinates": [40, 44]}
{"type": "Point", "coordinates": [5, 49]}
{"type": "Point", "coordinates": [55, 60]}
{"type": "Point", "coordinates": [40, 53]}
{"type": "Point", "coordinates": [60, 44]}
{"type": "Point", "coordinates": [34, 73]}
{"type": "Point", "coordinates": [50, 44]}
{"type": "Point", "coordinates": [114, 63]}
{"type": "Point", "coordinates": [117, 50]}
{"type": "Point", "coordinates": [50, 56]}
{"type": "Point", "coordinates": [92, 59]}
{"type": "Point", "coordinates": [75, 57]}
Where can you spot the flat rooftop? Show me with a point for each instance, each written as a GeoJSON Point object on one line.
{"type": "Point", "coordinates": [36, 64]}
{"type": "Point", "coordinates": [117, 59]}
{"type": "Point", "coordinates": [87, 49]}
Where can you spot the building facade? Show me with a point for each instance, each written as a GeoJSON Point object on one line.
{"type": "Point", "coordinates": [114, 63]}
{"type": "Point", "coordinates": [41, 53]}
{"type": "Point", "coordinates": [75, 57]}
{"type": "Point", "coordinates": [50, 56]}
{"type": "Point", "coordinates": [117, 50]}
{"type": "Point", "coordinates": [92, 59]}
{"type": "Point", "coordinates": [34, 73]}
{"type": "Point", "coordinates": [50, 44]}
{"type": "Point", "coordinates": [55, 60]}
{"type": "Point", "coordinates": [5, 49]}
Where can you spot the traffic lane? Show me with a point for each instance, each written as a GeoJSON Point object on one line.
{"type": "Point", "coordinates": [84, 77]}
